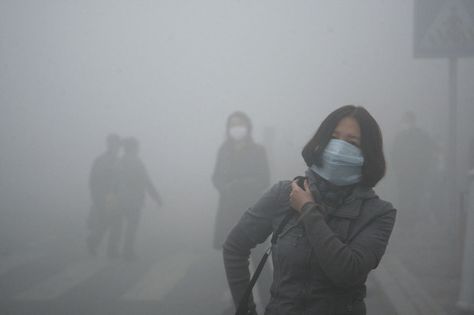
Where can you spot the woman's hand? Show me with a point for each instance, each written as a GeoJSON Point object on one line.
{"type": "Point", "coordinates": [299, 197]}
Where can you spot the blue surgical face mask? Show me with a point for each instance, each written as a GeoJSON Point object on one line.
{"type": "Point", "coordinates": [341, 163]}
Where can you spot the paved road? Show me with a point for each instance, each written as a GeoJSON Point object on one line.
{"type": "Point", "coordinates": [54, 279]}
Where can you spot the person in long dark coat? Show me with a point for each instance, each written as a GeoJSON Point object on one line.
{"type": "Point", "coordinates": [103, 185]}
{"type": "Point", "coordinates": [338, 228]}
{"type": "Point", "coordinates": [241, 175]}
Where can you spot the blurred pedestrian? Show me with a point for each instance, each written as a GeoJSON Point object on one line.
{"type": "Point", "coordinates": [103, 187]}
{"type": "Point", "coordinates": [414, 158]}
{"type": "Point", "coordinates": [338, 227]}
{"type": "Point", "coordinates": [241, 175]}
{"type": "Point", "coordinates": [134, 185]}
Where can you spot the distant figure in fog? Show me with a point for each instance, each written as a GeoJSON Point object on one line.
{"type": "Point", "coordinates": [134, 184]}
{"type": "Point", "coordinates": [414, 157]}
{"type": "Point", "coordinates": [103, 187]}
{"type": "Point", "coordinates": [334, 230]}
{"type": "Point", "coordinates": [241, 174]}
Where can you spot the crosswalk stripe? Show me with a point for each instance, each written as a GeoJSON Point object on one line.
{"type": "Point", "coordinates": [65, 280]}
{"type": "Point", "coordinates": [161, 278]}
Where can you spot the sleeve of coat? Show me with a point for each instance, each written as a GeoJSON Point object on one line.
{"type": "Point", "coordinates": [253, 228]}
{"type": "Point", "coordinates": [347, 264]}
{"type": "Point", "coordinates": [151, 189]}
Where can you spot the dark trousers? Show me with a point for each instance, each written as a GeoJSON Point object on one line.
{"type": "Point", "coordinates": [99, 222]}
{"type": "Point", "coordinates": [125, 224]}
{"type": "Point", "coordinates": [410, 193]}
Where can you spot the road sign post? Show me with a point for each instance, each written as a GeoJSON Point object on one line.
{"type": "Point", "coordinates": [445, 29]}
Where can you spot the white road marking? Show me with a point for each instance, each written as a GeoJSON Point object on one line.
{"type": "Point", "coordinates": [161, 278]}
{"type": "Point", "coordinates": [65, 280]}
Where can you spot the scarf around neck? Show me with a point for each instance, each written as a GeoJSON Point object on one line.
{"type": "Point", "coordinates": [327, 193]}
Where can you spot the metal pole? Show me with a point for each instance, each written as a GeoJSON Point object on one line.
{"type": "Point", "coordinates": [454, 202]}
{"type": "Point", "coordinates": [466, 292]}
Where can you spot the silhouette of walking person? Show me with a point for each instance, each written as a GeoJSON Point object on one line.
{"type": "Point", "coordinates": [134, 185]}
{"type": "Point", "coordinates": [103, 187]}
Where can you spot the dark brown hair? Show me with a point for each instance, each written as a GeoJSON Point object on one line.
{"type": "Point", "coordinates": [371, 143]}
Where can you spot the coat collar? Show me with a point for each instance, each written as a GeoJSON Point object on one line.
{"type": "Point", "coordinates": [352, 207]}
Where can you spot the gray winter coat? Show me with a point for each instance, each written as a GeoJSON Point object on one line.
{"type": "Point", "coordinates": [320, 263]}
{"type": "Point", "coordinates": [240, 176]}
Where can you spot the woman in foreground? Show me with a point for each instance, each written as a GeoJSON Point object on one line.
{"type": "Point", "coordinates": [339, 230]}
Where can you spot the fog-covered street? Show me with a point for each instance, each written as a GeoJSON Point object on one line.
{"type": "Point", "coordinates": [136, 135]}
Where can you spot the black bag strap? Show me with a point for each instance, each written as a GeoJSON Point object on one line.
{"type": "Point", "coordinates": [243, 304]}
{"type": "Point", "coordinates": [242, 309]}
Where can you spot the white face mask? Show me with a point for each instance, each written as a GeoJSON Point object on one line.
{"type": "Point", "coordinates": [238, 132]}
